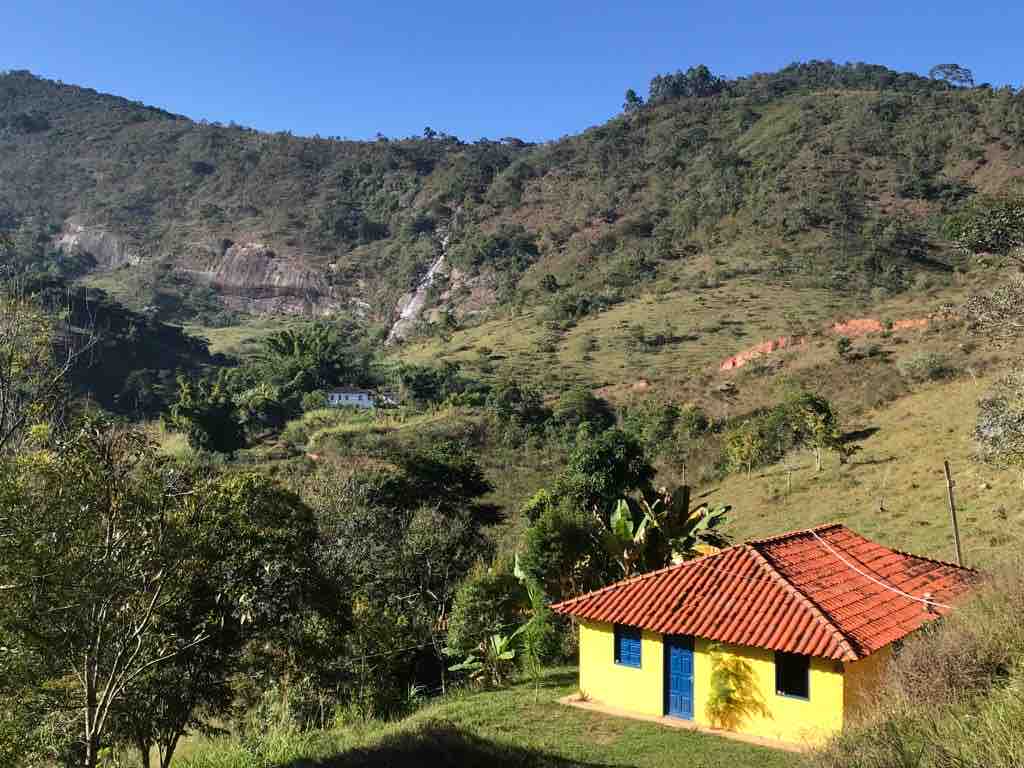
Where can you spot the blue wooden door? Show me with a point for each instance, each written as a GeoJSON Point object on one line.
{"type": "Point", "coordinates": [679, 677]}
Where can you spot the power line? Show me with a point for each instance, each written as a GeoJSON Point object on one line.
{"type": "Point", "coordinates": [851, 566]}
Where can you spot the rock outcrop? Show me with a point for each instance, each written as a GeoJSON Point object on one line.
{"type": "Point", "coordinates": [107, 250]}
{"type": "Point", "coordinates": [251, 277]}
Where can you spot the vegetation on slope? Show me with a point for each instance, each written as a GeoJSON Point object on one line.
{"type": "Point", "coordinates": [520, 726]}
{"type": "Point", "coordinates": [952, 696]}
{"type": "Point", "coordinates": [834, 176]}
{"type": "Point", "coordinates": [648, 248]}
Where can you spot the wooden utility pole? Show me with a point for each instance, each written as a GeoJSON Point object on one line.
{"type": "Point", "coordinates": [952, 513]}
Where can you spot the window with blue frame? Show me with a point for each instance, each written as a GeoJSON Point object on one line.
{"type": "Point", "coordinates": [792, 675]}
{"type": "Point", "coordinates": [627, 646]}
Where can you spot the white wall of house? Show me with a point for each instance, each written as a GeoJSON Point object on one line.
{"type": "Point", "coordinates": [350, 400]}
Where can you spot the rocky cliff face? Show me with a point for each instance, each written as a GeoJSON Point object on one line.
{"type": "Point", "coordinates": [252, 277]}
{"type": "Point", "coordinates": [108, 250]}
{"type": "Point", "coordinates": [249, 275]}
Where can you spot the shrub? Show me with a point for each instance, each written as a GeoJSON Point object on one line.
{"type": "Point", "coordinates": [745, 446]}
{"type": "Point", "coordinates": [312, 401]}
{"type": "Point", "coordinates": [517, 406]}
{"type": "Point", "coordinates": [925, 366]}
{"type": "Point", "coordinates": [734, 694]}
{"type": "Point", "coordinates": [486, 603]}
{"type": "Point", "coordinates": [652, 423]}
{"type": "Point", "coordinates": [843, 346]}
{"type": "Point", "coordinates": [298, 432]}
{"type": "Point", "coordinates": [951, 697]}
{"type": "Point", "coordinates": [541, 638]}
{"type": "Point", "coordinates": [578, 405]}
{"type": "Point", "coordinates": [693, 422]}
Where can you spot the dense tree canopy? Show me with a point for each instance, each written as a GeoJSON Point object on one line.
{"type": "Point", "coordinates": [116, 566]}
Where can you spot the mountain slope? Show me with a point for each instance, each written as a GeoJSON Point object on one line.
{"type": "Point", "coordinates": [829, 177]}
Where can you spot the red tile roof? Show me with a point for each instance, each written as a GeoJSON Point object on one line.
{"type": "Point", "coordinates": [826, 592]}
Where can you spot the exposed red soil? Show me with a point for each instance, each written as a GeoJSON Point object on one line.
{"type": "Point", "coordinates": [855, 328]}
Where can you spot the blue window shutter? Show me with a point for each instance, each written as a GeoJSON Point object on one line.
{"type": "Point", "coordinates": [627, 646]}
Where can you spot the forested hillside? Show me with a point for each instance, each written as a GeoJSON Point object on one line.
{"type": "Point", "coordinates": [833, 176]}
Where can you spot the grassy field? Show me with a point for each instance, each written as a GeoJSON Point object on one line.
{"type": "Point", "coordinates": [705, 325]}
{"type": "Point", "coordinates": [519, 726]}
{"type": "Point", "coordinates": [893, 490]}
{"type": "Point", "coordinates": [242, 340]}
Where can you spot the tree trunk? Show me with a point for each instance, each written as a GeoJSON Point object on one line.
{"type": "Point", "coordinates": [92, 741]}
{"type": "Point", "coordinates": [92, 751]}
{"type": "Point", "coordinates": [168, 753]}
{"type": "Point", "coordinates": [144, 749]}
{"type": "Point", "coordinates": [817, 459]}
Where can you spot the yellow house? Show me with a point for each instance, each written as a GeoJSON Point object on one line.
{"type": "Point", "coordinates": [779, 638]}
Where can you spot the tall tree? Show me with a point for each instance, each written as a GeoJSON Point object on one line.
{"type": "Point", "coordinates": [37, 355]}
{"type": "Point", "coordinates": [999, 429]}
{"type": "Point", "coordinates": [563, 546]}
{"type": "Point", "coordinates": [953, 74]}
{"type": "Point", "coordinates": [254, 576]}
{"type": "Point", "coordinates": [88, 556]}
{"type": "Point", "coordinates": [206, 411]}
{"type": "Point", "coordinates": [632, 102]}
{"type": "Point", "coordinates": [115, 566]}
{"type": "Point", "coordinates": [816, 425]}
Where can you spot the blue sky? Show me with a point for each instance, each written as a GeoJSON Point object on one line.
{"type": "Point", "coordinates": [536, 70]}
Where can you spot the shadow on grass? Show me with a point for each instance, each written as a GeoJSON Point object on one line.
{"type": "Point", "coordinates": [441, 744]}
{"type": "Point", "coordinates": [873, 462]}
{"type": "Point", "coordinates": [857, 435]}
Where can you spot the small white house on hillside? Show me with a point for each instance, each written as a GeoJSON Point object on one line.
{"type": "Point", "coordinates": [350, 398]}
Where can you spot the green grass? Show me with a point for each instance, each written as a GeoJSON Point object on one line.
{"type": "Point", "coordinates": [709, 325]}
{"type": "Point", "coordinates": [242, 340]}
{"type": "Point", "coordinates": [520, 726]}
{"type": "Point", "coordinates": [173, 444]}
{"type": "Point", "coordinates": [893, 490]}
{"type": "Point", "coordinates": [952, 696]}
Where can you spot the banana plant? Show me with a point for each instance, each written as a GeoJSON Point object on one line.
{"type": "Point", "coordinates": [645, 535]}
{"type": "Point", "coordinates": [491, 661]}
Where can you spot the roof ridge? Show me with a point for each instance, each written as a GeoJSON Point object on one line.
{"type": "Point", "coordinates": [929, 559]}
{"type": "Point", "coordinates": [791, 534]}
{"type": "Point", "coordinates": [641, 576]}
{"type": "Point", "coordinates": [845, 642]}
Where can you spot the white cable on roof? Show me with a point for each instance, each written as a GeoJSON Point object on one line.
{"type": "Point", "coordinates": [880, 583]}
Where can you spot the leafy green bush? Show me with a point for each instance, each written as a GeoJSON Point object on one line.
{"type": "Point", "coordinates": [510, 248]}
{"type": "Point", "coordinates": [578, 405]}
{"type": "Point", "coordinates": [989, 225]}
{"type": "Point", "coordinates": [925, 366]}
{"type": "Point", "coordinates": [692, 422]}
{"type": "Point", "coordinates": [746, 446]}
{"type": "Point", "coordinates": [314, 401]}
{"type": "Point", "coordinates": [542, 638]}
{"type": "Point", "coordinates": [652, 423]}
{"type": "Point", "coordinates": [518, 407]}
{"type": "Point", "coordinates": [843, 346]}
{"type": "Point", "coordinates": [300, 431]}
{"type": "Point", "coordinates": [487, 603]}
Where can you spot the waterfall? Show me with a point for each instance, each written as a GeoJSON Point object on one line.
{"type": "Point", "coordinates": [411, 304]}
